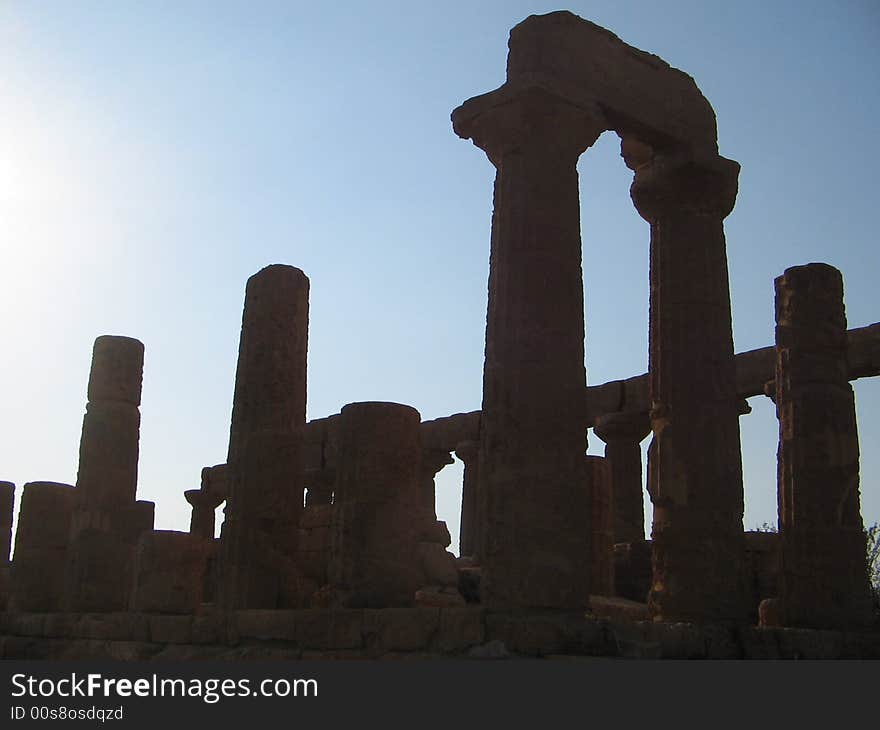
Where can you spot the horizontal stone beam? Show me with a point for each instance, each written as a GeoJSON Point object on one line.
{"type": "Point", "coordinates": [444, 434]}
{"type": "Point", "coordinates": [754, 369]}
{"type": "Point", "coordinates": [639, 93]}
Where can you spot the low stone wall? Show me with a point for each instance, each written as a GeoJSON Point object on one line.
{"type": "Point", "coordinates": [418, 633]}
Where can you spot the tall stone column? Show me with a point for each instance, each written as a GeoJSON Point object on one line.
{"type": "Point", "coordinates": [623, 434]}
{"type": "Point", "coordinates": [469, 529]}
{"type": "Point", "coordinates": [824, 582]}
{"type": "Point", "coordinates": [378, 509]}
{"type": "Point", "coordinates": [696, 470]}
{"type": "Point", "coordinates": [265, 467]}
{"type": "Point", "coordinates": [104, 525]}
{"type": "Point", "coordinates": [533, 423]}
{"type": "Point", "coordinates": [41, 547]}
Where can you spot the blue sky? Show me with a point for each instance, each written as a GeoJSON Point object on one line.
{"type": "Point", "coordinates": [155, 155]}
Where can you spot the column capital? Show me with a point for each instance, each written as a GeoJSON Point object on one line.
{"type": "Point", "coordinates": [622, 426]}
{"type": "Point", "coordinates": [667, 183]}
{"type": "Point", "coordinates": [200, 498]}
{"type": "Point", "coordinates": [527, 116]}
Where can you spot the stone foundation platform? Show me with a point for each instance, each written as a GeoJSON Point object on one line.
{"type": "Point", "coordinates": [407, 633]}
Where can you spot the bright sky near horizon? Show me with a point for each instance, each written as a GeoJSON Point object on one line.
{"type": "Point", "coordinates": [155, 155]}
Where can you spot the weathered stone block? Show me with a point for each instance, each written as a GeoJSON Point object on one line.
{"type": "Point", "coordinates": [400, 629]}
{"type": "Point", "coordinates": [61, 624]}
{"type": "Point", "coordinates": [329, 629]}
{"type": "Point", "coordinates": [99, 571]}
{"type": "Point", "coordinates": [803, 644]}
{"type": "Point", "coordinates": [619, 609]}
{"type": "Point", "coordinates": [169, 568]}
{"type": "Point", "coordinates": [171, 629]}
{"type": "Point", "coordinates": [758, 643]}
{"type": "Point", "coordinates": [267, 624]}
{"type": "Point", "coordinates": [438, 565]}
{"type": "Point", "coordinates": [27, 624]}
{"type": "Point", "coordinates": [208, 629]}
{"type": "Point", "coordinates": [679, 640]}
{"type": "Point", "coordinates": [533, 635]}
{"type": "Point", "coordinates": [635, 640]}
{"type": "Point", "coordinates": [112, 626]}
{"type": "Point", "coordinates": [459, 629]}
{"type": "Point", "coordinates": [438, 597]}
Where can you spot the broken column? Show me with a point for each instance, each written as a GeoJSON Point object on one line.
{"type": "Point", "coordinates": [107, 521]}
{"type": "Point", "coordinates": [469, 538]}
{"type": "Point", "coordinates": [205, 500]}
{"type": "Point", "coordinates": [623, 434]}
{"type": "Point", "coordinates": [204, 506]}
{"type": "Point", "coordinates": [265, 466]}
{"type": "Point", "coordinates": [824, 580]}
{"type": "Point", "coordinates": [696, 470]}
{"type": "Point", "coordinates": [41, 546]}
{"type": "Point", "coordinates": [378, 508]}
{"type": "Point", "coordinates": [533, 423]}
{"type": "Point", "coordinates": [108, 449]}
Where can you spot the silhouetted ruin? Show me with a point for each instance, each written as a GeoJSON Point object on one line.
{"type": "Point", "coordinates": [330, 544]}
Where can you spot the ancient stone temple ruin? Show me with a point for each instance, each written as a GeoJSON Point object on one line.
{"type": "Point", "coordinates": [330, 544]}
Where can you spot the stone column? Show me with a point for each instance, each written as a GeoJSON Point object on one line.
{"type": "Point", "coordinates": [824, 582]}
{"type": "Point", "coordinates": [103, 530]}
{"type": "Point", "coordinates": [7, 501]}
{"type": "Point", "coordinates": [204, 506]}
{"type": "Point", "coordinates": [7, 498]}
{"type": "Point", "coordinates": [533, 423]}
{"type": "Point", "coordinates": [41, 545]}
{"type": "Point", "coordinates": [600, 527]}
{"type": "Point", "coordinates": [696, 471]}
{"type": "Point", "coordinates": [378, 510]}
{"type": "Point", "coordinates": [470, 526]}
{"type": "Point", "coordinates": [433, 460]}
{"type": "Point", "coordinates": [623, 434]}
{"type": "Point", "coordinates": [108, 449]}
{"type": "Point", "coordinates": [265, 468]}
